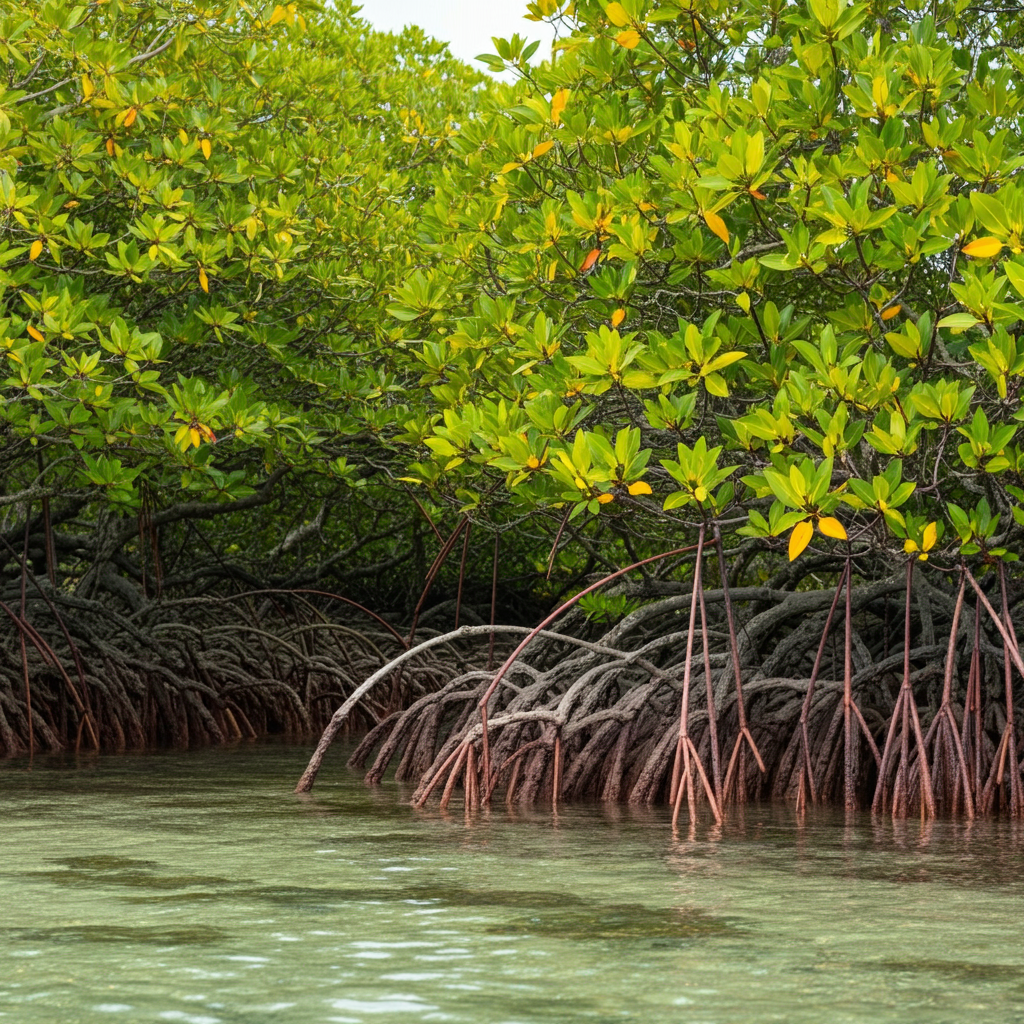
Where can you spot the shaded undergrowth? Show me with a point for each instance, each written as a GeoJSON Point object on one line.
{"type": "Point", "coordinates": [192, 671]}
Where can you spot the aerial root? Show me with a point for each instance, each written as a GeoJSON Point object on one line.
{"type": "Point", "coordinates": [639, 715]}
{"type": "Point", "coordinates": [184, 673]}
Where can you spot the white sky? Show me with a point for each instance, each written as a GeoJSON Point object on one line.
{"type": "Point", "coordinates": [466, 25]}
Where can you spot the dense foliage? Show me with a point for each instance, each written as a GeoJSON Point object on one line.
{"type": "Point", "coordinates": [748, 261]}
{"type": "Point", "coordinates": [203, 208]}
{"type": "Point", "coordinates": [298, 315]}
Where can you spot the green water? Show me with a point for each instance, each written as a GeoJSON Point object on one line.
{"type": "Point", "coordinates": [196, 888]}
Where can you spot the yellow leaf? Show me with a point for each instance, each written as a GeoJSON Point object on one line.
{"type": "Point", "coordinates": [700, 493]}
{"type": "Point", "coordinates": [533, 462]}
{"type": "Point", "coordinates": [154, 251]}
{"type": "Point", "coordinates": [110, 147]}
{"type": "Point", "coordinates": [541, 148]}
{"type": "Point", "coordinates": [33, 333]}
{"type": "Point", "coordinates": [194, 436]}
{"type": "Point", "coordinates": [930, 536]}
{"type": "Point", "coordinates": [207, 148]}
{"type": "Point", "coordinates": [87, 87]}
{"type": "Point", "coordinates": [558, 102]}
{"type": "Point", "coordinates": [616, 14]}
{"type": "Point", "coordinates": [629, 39]}
{"type": "Point", "coordinates": [983, 248]}
{"type": "Point", "coordinates": [909, 546]}
{"type": "Point", "coordinates": [879, 90]}
{"type": "Point", "coordinates": [204, 281]}
{"type": "Point", "coordinates": [717, 225]}
{"type": "Point", "coordinates": [279, 15]}
{"type": "Point", "coordinates": [800, 538]}
{"type": "Point", "coordinates": [510, 167]}
{"type": "Point", "coordinates": [603, 499]}
{"type": "Point", "coordinates": [618, 316]}
{"type": "Point", "coordinates": [98, 390]}
{"type": "Point", "coordinates": [129, 117]}
{"type": "Point", "coordinates": [639, 487]}
{"type": "Point", "coordinates": [37, 249]}
{"type": "Point", "coordinates": [831, 527]}
{"type": "Point", "coordinates": [888, 314]}
{"type": "Point", "coordinates": [183, 136]}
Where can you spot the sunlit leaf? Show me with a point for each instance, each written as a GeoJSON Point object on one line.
{"type": "Point", "coordinates": [800, 538]}
{"type": "Point", "coordinates": [558, 102]}
{"type": "Point", "coordinates": [984, 248]}
{"type": "Point", "coordinates": [616, 14]}
{"type": "Point", "coordinates": [831, 527]}
{"type": "Point", "coordinates": [930, 536]}
{"type": "Point", "coordinates": [717, 225]}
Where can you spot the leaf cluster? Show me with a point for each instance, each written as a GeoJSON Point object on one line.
{"type": "Point", "coordinates": [780, 244]}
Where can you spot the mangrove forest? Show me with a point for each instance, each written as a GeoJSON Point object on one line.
{"type": "Point", "coordinates": [646, 428]}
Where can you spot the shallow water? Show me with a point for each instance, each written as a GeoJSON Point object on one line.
{"type": "Point", "coordinates": [195, 887]}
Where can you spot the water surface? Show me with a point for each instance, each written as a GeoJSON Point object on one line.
{"type": "Point", "coordinates": [195, 887]}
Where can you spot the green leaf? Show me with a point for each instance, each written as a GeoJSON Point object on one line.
{"type": "Point", "coordinates": [1015, 274]}
{"type": "Point", "coordinates": [959, 321]}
